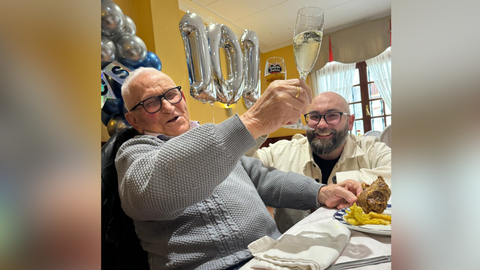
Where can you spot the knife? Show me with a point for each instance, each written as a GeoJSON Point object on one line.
{"type": "Point", "coordinates": [360, 263]}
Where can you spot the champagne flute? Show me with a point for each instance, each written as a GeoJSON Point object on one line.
{"type": "Point", "coordinates": [275, 69]}
{"type": "Point", "coordinates": [307, 40]}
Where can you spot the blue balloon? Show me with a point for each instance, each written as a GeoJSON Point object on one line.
{"type": "Point", "coordinates": [151, 60]}
{"type": "Point", "coordinates": [105, 118]}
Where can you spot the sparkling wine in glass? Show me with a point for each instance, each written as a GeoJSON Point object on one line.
{"type": "Point", "coordinates": [307, 40]}
{"type": "Point", "coordinates": [275, 69]}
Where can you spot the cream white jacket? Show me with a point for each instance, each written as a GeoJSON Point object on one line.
{"type": "Point", "coordinates": [362, 159]}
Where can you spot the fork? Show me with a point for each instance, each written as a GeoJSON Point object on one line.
{"type": "Point", "coordinates": [359, 263]}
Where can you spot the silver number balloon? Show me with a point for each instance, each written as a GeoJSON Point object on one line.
{"type": "Point", "coordinates": [251, 63]}
{"type": "Point", "coordinates": [198, 59]}
{"type": "Point", "coordinates": [113, 18]}
{"type": "Point", "coordinates": [131, 50]}
{"type": "Point", "coordinates": [229, 90]}
{"type": "Point", "coordinates": [109, 51]}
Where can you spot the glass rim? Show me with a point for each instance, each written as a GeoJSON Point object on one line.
{"type": "Point", "coordinates": [319, 13]}
{"type": "Point", "coordinates": [276, 57]}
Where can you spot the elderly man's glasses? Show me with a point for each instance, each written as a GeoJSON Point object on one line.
{"type": "Point", "coordinates": [154, 104]}
{"type": "Point", "coordinates": [331, 118]}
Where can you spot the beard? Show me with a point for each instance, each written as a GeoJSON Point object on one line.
{"type": "Point", "coordinates": [326, 146]}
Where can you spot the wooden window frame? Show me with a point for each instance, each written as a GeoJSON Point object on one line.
{"type": "Point", "coordinates": [365, 99]}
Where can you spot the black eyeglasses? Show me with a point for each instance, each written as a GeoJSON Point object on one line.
{"type": "Point", "coordinates": [154, 104]}
{"type": "Point", "coordinates": [331, 118]}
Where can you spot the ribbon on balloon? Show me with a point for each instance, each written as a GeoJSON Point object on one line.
{"type": "Point", "coordinates": [202, 49]}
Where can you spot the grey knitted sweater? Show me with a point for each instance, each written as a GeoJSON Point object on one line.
{"type": "Point", "coordinates": [197, 202]}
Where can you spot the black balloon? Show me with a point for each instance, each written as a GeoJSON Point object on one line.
{"type": "Point", "coordinates": [113, 106]}
{"type": "Point", "coordinates": [106, 118]}
{"type": "Point", "coordinates": [116, 86]}
{"type": "Point", "coordinates": [116, 124]}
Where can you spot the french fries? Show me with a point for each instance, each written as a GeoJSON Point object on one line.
{"type": "Point", "coordinates": [356, 217]}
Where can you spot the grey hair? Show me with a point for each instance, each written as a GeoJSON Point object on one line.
{"type": "Point", "coordinates": [131, 77]}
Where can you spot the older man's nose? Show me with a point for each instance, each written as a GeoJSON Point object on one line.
{"type": "Point", "coordinates": [167, 107]}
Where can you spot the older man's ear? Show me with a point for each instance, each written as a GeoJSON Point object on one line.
{"type": "Point", "coordinates": [133, 121]}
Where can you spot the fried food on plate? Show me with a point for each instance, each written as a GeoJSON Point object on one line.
{"type": "Point", "coordinates": [375, 196]}
{"type": "Point", "coordinates": [357, 217]}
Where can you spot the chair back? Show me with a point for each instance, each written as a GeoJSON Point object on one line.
{"type": "Point", "coordinates": [375, 133]}
{"type": "Point", "coordinates": [121, 247]}
{"type": "Point", "coordinates": [386, 135]}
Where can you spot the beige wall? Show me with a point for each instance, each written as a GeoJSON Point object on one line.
{"type": "Point", "coordinates": [157, 25]}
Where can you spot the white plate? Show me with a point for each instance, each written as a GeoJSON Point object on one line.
{"type": "Point", "coordinates": [373, 229]}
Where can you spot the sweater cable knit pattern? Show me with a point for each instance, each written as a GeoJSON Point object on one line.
{"type": "Point", "coordinates": [203, 216]}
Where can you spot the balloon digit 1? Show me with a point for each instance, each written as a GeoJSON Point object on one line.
{"type": "Point", "coordinates": [198, 58]}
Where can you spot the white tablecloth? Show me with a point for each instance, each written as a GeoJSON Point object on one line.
{"type": "Point", "coordinates": [360, 245]}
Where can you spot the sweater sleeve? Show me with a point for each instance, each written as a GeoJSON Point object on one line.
{"type": "Point", "coordinates": [282, 189]}
{"type": "Point", "coordinates": [158, 180]}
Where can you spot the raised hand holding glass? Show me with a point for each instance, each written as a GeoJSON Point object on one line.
{"type": "Point", "coordinates": [307, 40]}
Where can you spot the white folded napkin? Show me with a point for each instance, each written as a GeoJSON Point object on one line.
{"type": "Point", "coordinates": [311, 246]}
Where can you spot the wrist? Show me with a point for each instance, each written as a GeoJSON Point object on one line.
{"type": "Point", "coordinates": [251, 125]}
{"type": "Point", "coordinates": [321, 198]}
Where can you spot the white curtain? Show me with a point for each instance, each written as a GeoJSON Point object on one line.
{"type": "Point", "coordinates": [380, 68]}
{"type": "Point", "coordinates": [334, 77]}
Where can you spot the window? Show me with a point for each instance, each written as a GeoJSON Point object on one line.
{"type": "Point", "coordinates": [367, 104]}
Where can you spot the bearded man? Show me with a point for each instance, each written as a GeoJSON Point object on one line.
{"type": "Point", "coordinates": [329, 154]}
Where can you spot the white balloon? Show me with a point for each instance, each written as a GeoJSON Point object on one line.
{"type": "Point", "coordinates": [198, 59]}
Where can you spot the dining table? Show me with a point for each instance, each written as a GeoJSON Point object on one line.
{"type": "Point", "coordinates": [360, 245]}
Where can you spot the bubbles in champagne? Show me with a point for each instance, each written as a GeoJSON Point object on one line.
{"type": "Point", "coordinates": [306, 47]}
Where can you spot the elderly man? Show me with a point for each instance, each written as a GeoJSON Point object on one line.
{"type": "Point", "coordinates": [196, 201]}
{"type": "Point", "coordinates": [329, 154]}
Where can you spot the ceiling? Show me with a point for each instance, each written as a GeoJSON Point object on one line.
{"type": "Point", "coordinates": [273, 20]}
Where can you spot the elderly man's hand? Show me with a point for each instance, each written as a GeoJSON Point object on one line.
{"type": "Point", "coordinates": [340, 195]}
{"type": "Point", "coordinates": [277, 106]}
